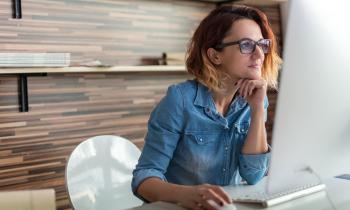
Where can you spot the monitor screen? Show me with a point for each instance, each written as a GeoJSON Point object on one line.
{"type": "Point", "coordinates": [312, 123]}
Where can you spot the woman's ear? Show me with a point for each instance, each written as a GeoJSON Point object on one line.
{"type": "Point", "coordinates": [214, 56]}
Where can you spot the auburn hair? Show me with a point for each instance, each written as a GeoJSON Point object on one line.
{"type": "Point", "coordinates": [212, 30]}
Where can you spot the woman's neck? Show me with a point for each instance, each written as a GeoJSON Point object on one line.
{"type": "Point", "coordinates": [223, 99]}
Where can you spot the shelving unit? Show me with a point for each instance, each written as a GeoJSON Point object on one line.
{"type": "Point", "coordinates": [36, 70]}
{"type": "Point", "coordinates": [24, 72]}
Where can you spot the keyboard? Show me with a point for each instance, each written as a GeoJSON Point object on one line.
{"type": "Point", "coordinates": [245, 194]}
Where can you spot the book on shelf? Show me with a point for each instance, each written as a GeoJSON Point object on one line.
{"type": "Point", "coordinates": [23, 59]}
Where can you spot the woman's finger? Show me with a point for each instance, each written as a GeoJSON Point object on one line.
{"type": "Point", "coordinates": [254, 84]}
{"type": "Point", "coordinates": [222, 193]}
{"type": "Point", "coordinates": [238, 83]}
{"type": "Point", "coordinates": [212, 195]}
{"type": "Point", "coordinates": [208, 206]}
{"type": "Point", "coordinates": [250, 91]}
{"type": "Point", "coordinates": [242, 88]}
{"type": "Point", "coordinates": [260, 83]}
{"type": "Point", "coordinates": [250, 83]}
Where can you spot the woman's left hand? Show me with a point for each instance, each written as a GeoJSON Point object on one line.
{"type": "Point", "coordinates": [254, 91]}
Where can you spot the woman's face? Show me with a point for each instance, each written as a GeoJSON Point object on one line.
{"type": "Point", "coordinates": [233, 62]}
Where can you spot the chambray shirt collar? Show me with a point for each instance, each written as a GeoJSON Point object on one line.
{"type": "Point", "coordinates": [238, 103]}
{"type": "Point", "coordinates": [204, 99]}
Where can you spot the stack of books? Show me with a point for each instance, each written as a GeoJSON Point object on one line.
{"type": "Point", "coordinates": [34, 59]}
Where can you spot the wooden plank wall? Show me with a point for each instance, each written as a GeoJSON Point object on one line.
{"type": "Point", "coordinates": [114, 32]}
{"type": "Point", "coordinates": [66, 109]}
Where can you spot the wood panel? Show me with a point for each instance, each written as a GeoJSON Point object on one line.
{"type": "Point", "coordinates": [115, 32]}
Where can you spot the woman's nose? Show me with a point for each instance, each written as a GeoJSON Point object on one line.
{"type": "Point", "coordinates": [258, 53]}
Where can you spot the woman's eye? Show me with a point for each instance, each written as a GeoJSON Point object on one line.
{"type": "Point", "coordinates": [246, 45]}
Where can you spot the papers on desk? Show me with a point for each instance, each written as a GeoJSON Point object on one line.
{"type": "Point", "coordinates": [344, 176]}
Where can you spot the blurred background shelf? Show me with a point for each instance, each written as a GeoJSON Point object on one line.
{"type": "Point", "coordinates": [151, 68]}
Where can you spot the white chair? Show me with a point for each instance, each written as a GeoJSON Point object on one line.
{"type": "Point", "coordinates": [99, 173]}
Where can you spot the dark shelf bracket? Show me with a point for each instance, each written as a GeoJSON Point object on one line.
{"type": "Point", "coordinates": [16, 9]}
{"type": "Point", "coordinates": [23, 91]}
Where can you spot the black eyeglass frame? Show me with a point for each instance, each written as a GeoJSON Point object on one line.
{"type": "Point", "coordinates": [223, 45]}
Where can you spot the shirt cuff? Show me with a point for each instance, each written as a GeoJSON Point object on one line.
{"type": "Point", "coordinates": [254, 167]}
{"type": "Point", "coordinates": [140, 175]}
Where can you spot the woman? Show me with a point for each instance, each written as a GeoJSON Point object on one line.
{"type": "Point", "coordinates": [210, 131]}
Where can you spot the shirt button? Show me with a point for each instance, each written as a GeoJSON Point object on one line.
{"type": "Point", "coordinates": [200, 139]}
{"type": "Point", "coordinates": [226, 148]}
{"type": "Point", "coordinates": [224, 169]}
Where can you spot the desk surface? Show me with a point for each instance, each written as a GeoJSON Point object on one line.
{"type": "Point", "coordinates": [338, 191]}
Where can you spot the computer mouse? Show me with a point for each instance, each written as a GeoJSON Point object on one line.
{"type": "Point", "coordinates": [225, 207]}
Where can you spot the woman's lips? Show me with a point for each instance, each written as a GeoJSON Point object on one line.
{"type": "Point", "coordinates": [254, 66]}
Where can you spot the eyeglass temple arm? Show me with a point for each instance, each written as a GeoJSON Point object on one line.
{"type": "Point", "coordinates": [223, 45]}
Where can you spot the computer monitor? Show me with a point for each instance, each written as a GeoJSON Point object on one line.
{"type": "Point", "coordinates": [312, 121]}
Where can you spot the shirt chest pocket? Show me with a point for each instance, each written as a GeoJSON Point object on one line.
{"type": "Point", "coordinates": [242, 127]}
{"type": "Point", "coordinates": [201, 139]}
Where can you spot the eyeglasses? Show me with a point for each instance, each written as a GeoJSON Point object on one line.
{"type": "Point", "coordinates": [247, 46]}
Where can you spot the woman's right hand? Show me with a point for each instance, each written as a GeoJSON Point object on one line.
{"type": "Point", "coordinates": [197, 197]}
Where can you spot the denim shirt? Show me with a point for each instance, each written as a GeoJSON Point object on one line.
{"type": "Point", "coordinates": [188, 142]}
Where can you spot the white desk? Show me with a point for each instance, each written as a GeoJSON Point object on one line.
{"type": "Point", "coordinates": [338, 191]}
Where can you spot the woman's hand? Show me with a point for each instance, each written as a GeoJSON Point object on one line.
{"type": "Point", "coordinates": [197, 197]}
{"type": "Point", "coordinates": [254, 91]}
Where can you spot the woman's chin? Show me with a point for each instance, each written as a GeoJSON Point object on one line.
{"type": "Point", "coordinates": [255, 76]}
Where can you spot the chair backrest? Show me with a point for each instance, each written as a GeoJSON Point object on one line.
{"type": "Point", "coordinates": [99, 173]}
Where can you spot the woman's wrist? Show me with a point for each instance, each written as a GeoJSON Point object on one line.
{"type": "Point", "coordinates": [172, 193]}
{"type": "Point", "coordinates": [257, 109]}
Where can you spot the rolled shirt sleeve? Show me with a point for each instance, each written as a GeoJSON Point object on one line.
{"type": "Point", "coordinates": [253, 168]}
{"type": "Point", "coordinates": [164, 132]}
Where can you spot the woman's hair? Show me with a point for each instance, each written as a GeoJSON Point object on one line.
{"type": "Point", "coordinates": [212, 30]}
